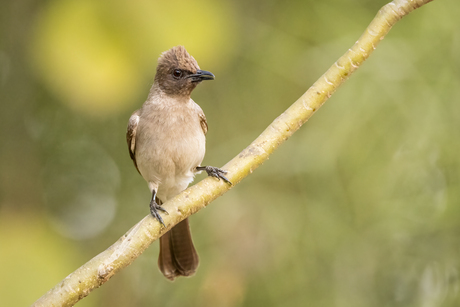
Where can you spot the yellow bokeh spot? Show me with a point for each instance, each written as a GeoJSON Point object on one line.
{"type": "Point", "coordinates": [96, 56]}
{"type": "Point", "coordinates": [33, 259]}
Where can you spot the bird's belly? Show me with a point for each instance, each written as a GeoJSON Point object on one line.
{"type": "Point", "coordinates": [169, 160]}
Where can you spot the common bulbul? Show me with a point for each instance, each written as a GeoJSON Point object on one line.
{"type": "Point", "coordinates": [166, 140]}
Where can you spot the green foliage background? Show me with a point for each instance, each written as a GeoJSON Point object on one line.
{"type": "Point", "coordinates": [359, 208]}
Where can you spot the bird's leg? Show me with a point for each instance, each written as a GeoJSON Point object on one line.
{"type": "Point", "coordinates": [214, 172]}
{"type": "Point", "coordinates": [154, 207]}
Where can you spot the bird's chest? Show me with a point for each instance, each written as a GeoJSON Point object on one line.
{"type": "Point", "coordinates": [173, 137]}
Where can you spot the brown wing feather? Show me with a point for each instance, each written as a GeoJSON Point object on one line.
{"type": "Point", "coordinates": [131, 136]}
{"type": "Point", "coordinates": [203, 123]}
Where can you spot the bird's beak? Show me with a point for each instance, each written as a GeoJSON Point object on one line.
{"type": "Point", "coordinates": [201, 75]}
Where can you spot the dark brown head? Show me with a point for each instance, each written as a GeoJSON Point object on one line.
{"type": "Point", "coordinates": [178, 72]}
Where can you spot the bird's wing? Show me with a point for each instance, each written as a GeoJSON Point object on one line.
{"type": "Point", "coordinates": [131, 136]}
{"type": "Point", "coordinates": [203, 123]}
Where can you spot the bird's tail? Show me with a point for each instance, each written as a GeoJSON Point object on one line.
{"type": "Point", "coordinates": [178, 256]}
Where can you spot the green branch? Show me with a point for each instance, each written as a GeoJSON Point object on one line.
{"type": "Point", "coordinates": [102, 267]}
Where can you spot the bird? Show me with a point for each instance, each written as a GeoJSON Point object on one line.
{"type": "Point", "coordinates": [166, 141]}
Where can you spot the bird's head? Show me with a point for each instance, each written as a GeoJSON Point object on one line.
{"type": "Point", "coordinates": [178, 72]}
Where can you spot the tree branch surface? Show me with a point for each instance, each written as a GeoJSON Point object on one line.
{"type": "Point", "coordinates": [101, 268]}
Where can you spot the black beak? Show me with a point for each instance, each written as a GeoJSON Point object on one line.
{"type": "Point", "coordinates": [201, 75]}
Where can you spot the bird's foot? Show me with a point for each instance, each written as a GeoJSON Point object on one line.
{"type": "Point", "coordinates": [214, 172]}
{"type": "Point", "coordinates": [154, 208]}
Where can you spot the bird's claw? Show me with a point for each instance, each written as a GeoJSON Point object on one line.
{"type": "Point", "coordinates": [154, 208]}
{"type": "Point", "coordinates": [215, 172]}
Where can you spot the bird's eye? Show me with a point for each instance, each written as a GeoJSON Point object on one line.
{"type": "Point", "coordinates": [177, 73]}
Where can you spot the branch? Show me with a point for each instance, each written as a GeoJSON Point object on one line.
{"type": "Point", "coordinates": [102, 267]}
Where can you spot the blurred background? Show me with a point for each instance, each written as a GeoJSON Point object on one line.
{"type": "Point", "coordinates": [359, 208]}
